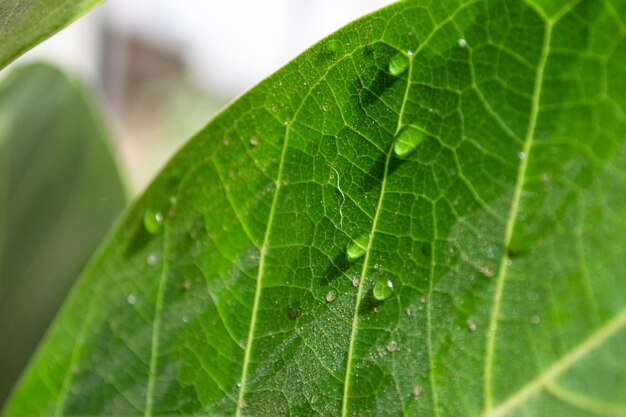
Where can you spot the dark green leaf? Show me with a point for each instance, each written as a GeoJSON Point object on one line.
{"type": "Point", "coordinates": [25, 23]}
{"type": "Point", "coordinates": [59, 194]}
{"type": "Point", "coordinates": [495, 237]}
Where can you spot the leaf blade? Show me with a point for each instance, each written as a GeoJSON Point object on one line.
{"type": "Point", "coordinates": [439, 229]}
{"type": "Point", "coordinates": [25, 24]}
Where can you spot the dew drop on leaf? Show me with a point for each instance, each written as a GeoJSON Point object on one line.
{"type": "Point", "coordinates": [152, 221]}
{"type": "Point", "coordinates": [357, 247]}
{"type": "Point", "coordinates": [131, 299]}
{"type": "Point", "coordinates": [330, 297]}
{"type": "Point", "coordinates": [407, 141]}
{"type": "Point", "coordinates": [382, 289]}
{"type": "Point", "coordinates": [332, 45]}
{"type": "Point", "coordinates": [398, 64]}
{"type": "Point", "coordinates": [152, 259]}
{"type": "Point", "coordinates": [417, 390]}
{"type": "Point", "coordinates": [535, 319]}
{"type": "Point", "coordinates": [462, 43]}
{"type": "Point", "coordinates": [392, 346]}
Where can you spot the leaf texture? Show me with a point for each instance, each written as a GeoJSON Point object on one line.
{"type": "Point", "coordinates": [25, 23]}
{"type": "Point", "coordinates": [421, 215]}
{"type": "Point", "coordinates": [59, 194]}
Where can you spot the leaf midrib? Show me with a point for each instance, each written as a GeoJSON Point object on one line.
{"type": "Point", "coordinates": [344, 407]}
{"type": "Point", "coordinates": [605, 331]}
{"type": "Point", "coordinates": [512, 218]}
{"type": "Point", "coordinates": [609, 329]}
{"type": "Point", "coordinates": [359, 296]}
{"type": "Point", "coordinates": [264, 249]}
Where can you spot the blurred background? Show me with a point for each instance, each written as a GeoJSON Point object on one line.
{"type": "Point", "coordinates": [88, 117]}
{"type": "Point", "coordinates": [161, 69]}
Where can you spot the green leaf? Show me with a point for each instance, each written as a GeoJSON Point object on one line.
{"type": "Point", "coordinates": [25, 23]}
{"type": "Point", "coordinates": [498, 239]}
{"type": "Point", "coordinates": [59, 194]}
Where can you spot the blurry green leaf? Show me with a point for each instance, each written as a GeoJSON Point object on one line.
{"type": "Point", "coordinates": [25, 23]}
{"type": "Point", "coordinates": [492, 279]}
{"type": "Point", "coordinates": [59, 194]}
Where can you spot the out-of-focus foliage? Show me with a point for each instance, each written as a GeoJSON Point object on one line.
{"type": "Point", "coordinates": [25, 23]}
{"type": "Point", "coordinates": [59, 193]}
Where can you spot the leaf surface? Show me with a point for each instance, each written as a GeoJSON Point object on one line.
{"type": "Point", "coordinates": [25, 23]}
{"type": "Point", "coordinates": [59, 194]}
{"type": "Point", "coordinates": [421, 215]}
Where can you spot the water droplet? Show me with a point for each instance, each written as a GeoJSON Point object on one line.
{"type": "Point", "coordinates": [286, 122]}
{"type": "Point", "coordinates": [238, 384]}
{"type": "Point", "coordinates": [330, 297]}
{"type": "Point", "coordinates": [131, 299]}
{"type": "Point", "coordinates": [462, 43]}
{"type": "Point", "coordinates": [226, 142]}
{"type": "Point", "coordinates": [471, 325]}
{"type": "Point", "coordinates": [332, 45]}
{"type": "Point", "coordinates": [423, 299]}
{"type": "Point", "coordinates": [408, 312]}
{"type": "Point", "coordinates": [398, 64]}
{"type": "Point", "coordinates": [186, 285]}
{"type": "Point", "coordinates": [521, 155]}
{"type": "Point", "coordinates": [417, 390]}
{"type": "Point", "coordinates": [152, 259]}
{"type": "Point", "coordinates": [409, 52]}
{"type": "Point", "coordinates": [355, 281]}
{"type": "Point", "coordinates": [357, 247]}
{"type": "Point", "coordinates": [509, 262]}
{"type": "Point", "coordinates": [185, 319]}
{"type": "Point", "coordinates": [152, 221]}
{"type": "Point", "coordinates": [314, 399]}
{"type": "Point", "coordinates": [326, 107]}
{"type": "Point", "coordinates": [407, 141]}
{"type": "Point", "coordinates": [382, 289]}
{"type": "Point", "coordinates": [254, 141]}
{"type": "Point", "coordinates": [392, 346]}
{"type": "Point", "coordinates": [535, 319]}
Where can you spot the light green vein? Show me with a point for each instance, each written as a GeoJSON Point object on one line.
{"type": "Point", "coordinates": [346, 385]}
{"type": "Point", "coordinates": [156, 327]}
{"type": "Point", "coordinates": [592, 342]}
{"type": "Point", "coordinates": [585, 403]}
{"type": "Point", "coordinates": [76, 352]}
{"type": "Point", "coordinates": [510, 224]}
{"type": "Point", "coordinates": [359, 296]}
{"type": "Point", "coordinates": [265, 246]}
{"type": "Point", "coordinates": [429, 323]}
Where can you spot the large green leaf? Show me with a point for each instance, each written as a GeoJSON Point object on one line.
{"type": "Point", "coordinates": [25, 23]}
{"type": "Point", "coordinates": [232, 286]}
{"type": "Point", "coordinates": [59, 194]}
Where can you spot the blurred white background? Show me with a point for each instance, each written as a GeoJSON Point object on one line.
{"type": "Point", "coordinates": [163, 68]}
